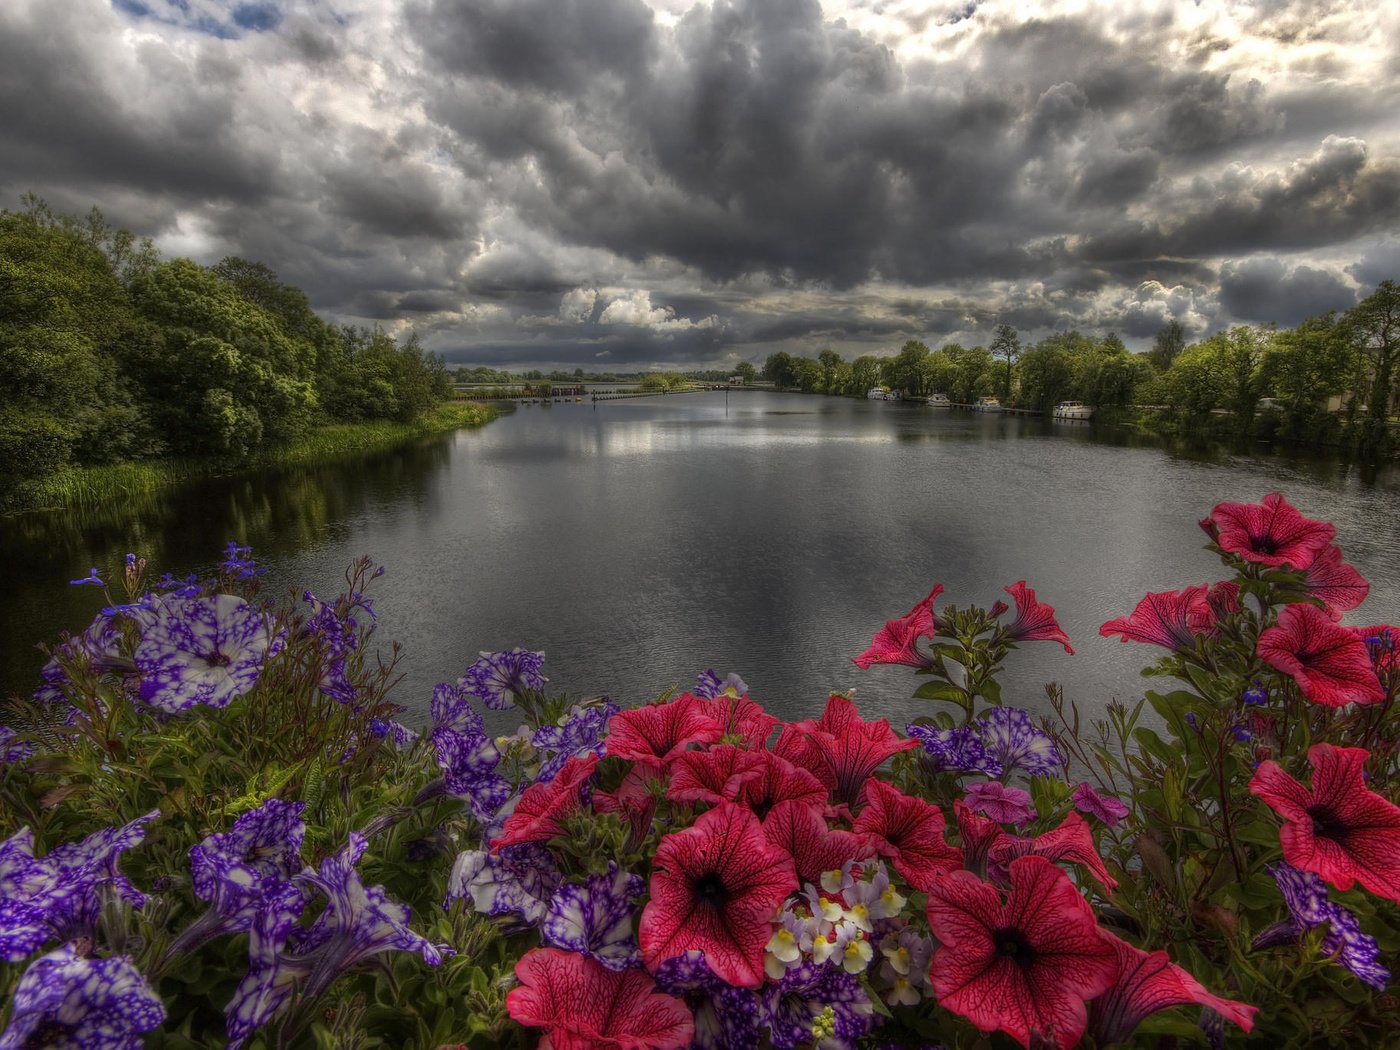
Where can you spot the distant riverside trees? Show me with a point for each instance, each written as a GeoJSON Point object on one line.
{"type": "Point", "coordinates": [109, 353]}
{"type": "Point", "coordinates": [1334, 379]}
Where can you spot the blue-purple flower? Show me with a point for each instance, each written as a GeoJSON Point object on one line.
{"type": "Point", "coordinates": [69, 1001]}
{"type": "Point", "coordinates": [819, 1005]}
{"type": "Point", "coordinates": [272, 974]}
{"type": "Point", "coordinates": [12, 748]}
{"type": "Point", "coordinates": [595, 919]}
{"type": "Point", "coordinates": [955, 750]}
{"type": "Point", "coordinates": [517, 881]}
{"type": "Point", "coordinates": [726, 1018]}
{"type": "Point", "coordinates": [235, 869]}
{"type": "Point", "coordinates": [582, 732]}
{"type": "Point", "coordinates": [1305, 894]}
{"type": "Point", "coordinates": [238, 563]}
{"type": "Point", "coordinates": [358, 921]}
{"type": "Point", "coordinates": [201, 651]}
{"type": "Point", "coordinates": [499, 678]}
{"type": "Point", "coordinates": [60, 895]}
{"type": "Point", "coordinates": [1011, 737]}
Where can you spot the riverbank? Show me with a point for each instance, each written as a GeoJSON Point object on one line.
{"type": "Point", "coordinates": [80, 487]}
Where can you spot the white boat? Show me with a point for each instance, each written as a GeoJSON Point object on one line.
{"type": "Point", "coordinates": [987, 404]}
{"type": "Point", "coordinates": [939, 401]}
{"type": "Point", "coordinates": [881, 393]}
{"type": "Point", "coordinates": [1072, 410]}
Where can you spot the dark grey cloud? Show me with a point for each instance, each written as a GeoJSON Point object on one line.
{"type": "Point", "coordinates": [740, 175]}
{"type": "Point", "coordinates": [1266, 291]}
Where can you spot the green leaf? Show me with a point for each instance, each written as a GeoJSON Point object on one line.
{"type": "Point", "coordinates": [944, 691]}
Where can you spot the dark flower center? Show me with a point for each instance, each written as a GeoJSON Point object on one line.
{"type": "Point", "coordinates": [218, 659]}
{"type": "Point", "coordinates": [1326, 824]}
{"type": "Point", "coordinates": [1011, 944]}
{"type": "Point", "coordinates": [710, 888]}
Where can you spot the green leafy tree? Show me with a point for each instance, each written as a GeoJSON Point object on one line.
{"type": "Point", "coordinates": [830, 361]}
{"type": "Point", "coordinates": [808, 375]}
{"type": "Point", "coordinates": [746, 372]}
{"type": "Point", "coordinates": [1305, 366]}
{"type": "Point", "coordinates": [972, 373]}
{"type": "Point", "coordinates": [1006, 344]}
{"type": "Point", "coordinates": [1374, 327]}
{"type": "Point", "coordinates": [1170, 341]}
{"type": "Point", "coordinates": [865, 373]}
{"type": "Point", "coordinates": [778, 369]}
{"type": "Point", "coordinates": [907, 370]}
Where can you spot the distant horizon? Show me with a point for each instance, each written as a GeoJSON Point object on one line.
{"type": "Point", "coordinates": [669, 184]}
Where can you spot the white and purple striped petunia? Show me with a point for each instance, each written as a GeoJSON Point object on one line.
{"type": "Point", "coordinates": [595, 919]}
{"type": "Point", "coordinates": [201, 651]}
{"type": "Point", "coordinates": [1012, 738]}
{"type": "Point", "coordinates": [498, 678]}
{"type": "Point", "coordinates": [1308, 907]}
{"type": "Point", "coordinates": [68, 1001]}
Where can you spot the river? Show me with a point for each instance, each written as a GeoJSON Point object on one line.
{"type": "Point", "coordinates": [639, 542]}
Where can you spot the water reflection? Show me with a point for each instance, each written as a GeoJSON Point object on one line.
{"type": "Point", "coordinates": [639, 542]}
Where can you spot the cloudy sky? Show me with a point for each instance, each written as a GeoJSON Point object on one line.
{"type": "Point", "coordinates": [616, 184]}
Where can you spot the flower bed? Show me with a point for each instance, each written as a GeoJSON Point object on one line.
{"type": "Point", "coordinates": [216, 834]}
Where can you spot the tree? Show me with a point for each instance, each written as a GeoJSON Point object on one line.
{"type": "Point", "coordinates": [1047, 375]}
{"type": "Point", "coordinates": [865, 373]}
{"type": "Point", "coordinates": [907, 371]}
{"type": "Point", "coordinates": [1170, 341]}
{"type": "Point", "coordinates": [1374, 327]}
{"type": "Point", "coordinates": [1305, 366]}
{"type": "Point", "coordinates": [778, 369]}
{"type": "Point", "coordinates": [1006, 343]}
{"type": "Point", "coordinates": [830, 361]}
{"type": "Point", "coordinates": [807, 375]}
{"type": "Point", "coordinates": [746, 372]}
{"type": "Point", "coordinates": [972, 373]}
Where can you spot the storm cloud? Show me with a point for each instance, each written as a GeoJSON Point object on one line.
{"type": "Point", "coordinates": [620, 183]}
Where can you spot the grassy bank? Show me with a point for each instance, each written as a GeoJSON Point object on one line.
{"type": "Point", "coordinates": [91, 486]}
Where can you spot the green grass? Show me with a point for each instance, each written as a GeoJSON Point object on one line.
{"type": "Point", "coordinates": [81, 487]}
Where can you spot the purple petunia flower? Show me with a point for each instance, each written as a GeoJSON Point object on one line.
{"type": "Point", "coordinates": [272, 973]}
{"type": "Point", "coordinates": [596, 919]}
{"type": "Point", "coordinates": [1305, 894]}
{"type": "Point", "coordinates": [60, 895]}
{"type": "Point", "coordinates": [1107, 808]}
{"type": "Point", "coordinates": [1005, 805]}
{"type": "Point", "coordinates": [709, 685]}
{"type": "Point", "coordinates": [234, 870]}
{"type": "Point", "coordinates": [581, 733]}
{"type": "Point", "coordinates": [358, 921]}
{"type": "Point", "coordinates": [726, 1018]}
{"type": "Point", "coordinates": [817, 1004]}
{"type": "Point", "coordinates": [13, 749]}
{"type": "Point", "coordinates": [498, 678]}
{"type": "Point", "coordinates": [1011, 737]}
{"type": "Point", "coordinates": [956, 750]}
{"type": "Point", "coordinates": [201, 651]}
{"type": "Point", "coordinates": [67, 1001]}
{"type": "Point", "coordinates": [519, 881]}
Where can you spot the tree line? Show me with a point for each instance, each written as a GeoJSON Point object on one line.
{"type": "Point", "coordinates": [1331, 380]}
{"type": "Point", "coordinates": [109, 353]}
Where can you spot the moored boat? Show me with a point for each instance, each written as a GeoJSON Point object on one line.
{"type": "Point", "coordinates": [987, 404]}
{"type": "Point", "coordinates": [938, 401]}
{"type": "Point", "coordinates": [1072, 410]}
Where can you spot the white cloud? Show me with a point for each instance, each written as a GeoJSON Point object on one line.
{"type": "Point", "coordinates": [634, 308]}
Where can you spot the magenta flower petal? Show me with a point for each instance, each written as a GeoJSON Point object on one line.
{"type": "Point", "coordinates": [909, 831]}
{"type": "Point", "coordinates": [1171, 619]}
{"type": "Point", "coordinates": [1335, 583]}
{"type": "Point", "coordinates": [898, 641]}
{"type": "Point", "coordinates": [1035, 621]}
{"type": "Point", "coordinates": [658, 733]}
{"type": "Point", "coordinates": [1271, 533]}
{"type": "Point", "coordinates": [1331, 665]}
{"type": "Point", "coordinates": [715, 888]}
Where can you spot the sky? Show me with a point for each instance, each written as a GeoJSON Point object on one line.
{"type": "Point", "coordinates": [666, 184]}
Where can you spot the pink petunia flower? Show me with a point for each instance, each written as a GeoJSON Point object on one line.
{"type": "Point", "coordinates": [1035, 621]}
{"type": "Point", "coordinates": [1024, 966]}
{"type": "Point", "coordinates": [1270, 533]}
{"type": "Point", "coordinates": [1145, 983]}
{"type": "Point", "coordinates": [803, 834]}
{"type": "Point", "coordinates": [780, 781]}
{"type": "Point", "coordinates": [715, 888]}
{"type": "Point", "coordinates": [849, 747]}
{"type": "Point", "coordinates": [714, 775]}
{"type": "Point", "coordinates": [1338, 828]}
{"type": "Point", "coordinates": [1072, 840]}
{"type": "Point", "coordinates": [1335, 583]}
{"type": "Point", "coordinates": [909, 831]}
{"type": "Point", "coordinates": [1107, 808]}
{"type": "Point", "coordinates": [1005, 805]}
{"type": "Point", "coordinates": [1330, 664]}
{"type": "Point", "coordinates": [742, 721]}
{"type": "Point", "coordinates": [1171, 619]}
{"type": "Point", "coordinates": [585, 1006]}
{"type": "Point", "coordinates": [540, 813]}
{"type": "Point", "coordinates": [898, 641]}
{"type": "Point", "coordinates": [656, 734]}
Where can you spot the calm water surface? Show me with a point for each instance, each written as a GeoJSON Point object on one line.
{"type": "Point", "coordinates": [639, 542]}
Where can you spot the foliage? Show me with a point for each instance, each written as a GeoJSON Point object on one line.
{"type": "Point", "coordinates": [291, 860]}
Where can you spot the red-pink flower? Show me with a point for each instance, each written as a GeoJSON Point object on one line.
{"type": "Point", "coordinates": [1335, 583]}
{"type": "Point", "coordinates": [1171, 619]}
{"type": "Point", "coordinates": [540, 813]}
{"type": "Point", "coordinates": [803, 834]}
{"type": "Point", "coordinates": [743, 720]}
{"type": "Point", "coordinates": [1072, 841]}
{"type": "Point", "coordinates": [898, 641]}
{"type": "Point", "coordinates": [1145, 983]}
{"type": "Point", "coordinates": [780, 781]}
{"type": "Point", "coordinates": [634, 801]}
{"type": "Point", "coordinates": [1005, 805]}
{"type": "Point", "coordinates": [715, 775]}
{"type": "Point", "coordinates": [1338, 828]}
{"type": "Point", "coordinates": [1271, 533]}
{"type": "Point", "coordinates": [586, 1006]}
{"type": "Point", "coordinates": [1035, 621]}
{"type": "Point", "coordinates": [1107, 808]}
{"type": "Point", "coordinates": [850, 747]}
{"type": "Point", "coordinates": [909, 831]}
{"type": "Point", "coordinates": [657, 733]}
{"type": "Point", "coordinates": [715, 888]}
{"type": "Point", "coordinates": [1330, 664]}
{"type": "Point", "coordinates": [1024, 966]}
{"type": "Point", "coordinates": [1382, 641]}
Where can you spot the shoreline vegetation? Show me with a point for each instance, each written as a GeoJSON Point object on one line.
{"type": "Point", "coordinates": [81, 487]}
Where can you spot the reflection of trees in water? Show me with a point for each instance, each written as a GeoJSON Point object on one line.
{"type": "Point", "coordinates": [182, 530]}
